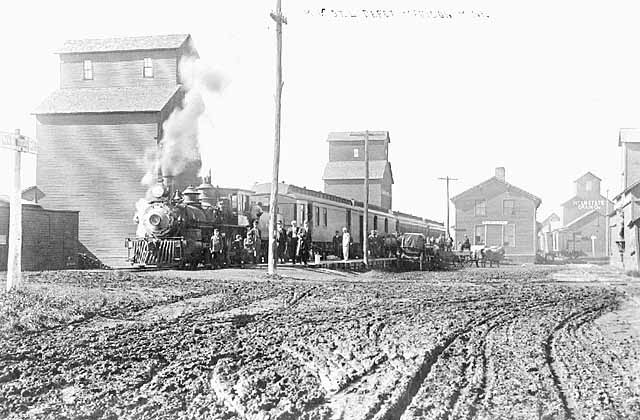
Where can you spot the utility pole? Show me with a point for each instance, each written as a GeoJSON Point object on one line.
{"type": "Point", "coordinates": [365, 221]}
{"type": "Point", "coordinates": [447, 178]}
{"type": "Point", "coordinates": [273, 199]}
{"type": "Point", "coordinates": [18, 144]}
{"type": "Point", "coordinates": [606, 227]}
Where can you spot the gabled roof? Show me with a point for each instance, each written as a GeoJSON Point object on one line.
{"type": "Point", "coordinates": [33, 193]}
{"type": "Point", "coordinates": [111, 99]}
{"type": "Point", "coordinates": [355, 170]}
{"type": "Point", "coordinates": [136, 43]}
{"type": "Point", "coordinates": [626, 190]}
{"type": "Point", "coordinates": [628, 135]}
{"type": "Point", "coordinates": [507, 186]}
{"type": "Point", "coordinates": [551, 218]}
{"type": "Point", "coordinates": [358, 136]}
{"type": "Point", "coordinates": [580, 220]}
{"type": "Point", "coordinates": [588, 175]}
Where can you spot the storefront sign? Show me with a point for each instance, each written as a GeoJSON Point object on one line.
{"type": "Point", "coordinates": [589, 204]}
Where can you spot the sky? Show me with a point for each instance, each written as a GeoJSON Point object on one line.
{"type": "Point", "coordinates": [541, 88]}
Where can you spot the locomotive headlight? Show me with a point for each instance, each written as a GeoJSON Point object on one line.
{"type": "Point", "coordinates": [155, 219]}
{"type": "Point", "coordinates": [157, 191]}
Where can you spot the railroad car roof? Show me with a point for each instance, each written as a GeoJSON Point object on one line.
{"type": "Point", "coordinates": [110, 99]}
{"type": "Point", "coordinates": [136, 43]}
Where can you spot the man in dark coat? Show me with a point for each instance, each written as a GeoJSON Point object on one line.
{"type": "Point", "coordinates": [281, 242]}
{"type": "Point", "coordinates": [337, 245]}
{"type": "Point", "coordinates": [292, 236]}
{"type": "Point", "coordinates": [304, 243]}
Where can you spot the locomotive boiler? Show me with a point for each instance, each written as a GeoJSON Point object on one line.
{"type": "Point", "coordinates": [174, 229]}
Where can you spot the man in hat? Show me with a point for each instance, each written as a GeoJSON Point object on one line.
{"type": "Point", "coordinates": [236, 251]}
{"type": "Point", "coordinates": [257, 242]}
{"type": "Point", "coordinates": [216, 249]}
{"type": "Point", "coordinates": [304, 242]}
{"type": "Point", "coordinates": [337, 244]}
{"type": "Point", "coordinates": [281, 241]}
{"type": "Point", "coordinates": [292, 236]}
{"type": "Point", "coordinates": [346, 243]}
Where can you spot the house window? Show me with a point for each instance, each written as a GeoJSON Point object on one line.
{"type": "Point", "coordinates": [317, 216]}
{"type": "Point", "coordinates": [356, 153]}
{"type": "Point", "coordinates": [508, 208]}
{"type": "Point", "coordinates": [324, 217]}
{"type": "Point", "coordinates": [147, 68]}
{"type": "Point", "coordinates": [588, 185]}
{"type": "Point", "coordinates": [87, 70]}
{"type": "Point", "coordinates": [375, 222]}
{"type": "Point", "coordinates": [478, 238]}
{"type": "Point", "coordinates": [481, 208]}
{"type": "Point", "coordinates": [386, 225]}
{"type": "Point", "coordinates": [509, 235]}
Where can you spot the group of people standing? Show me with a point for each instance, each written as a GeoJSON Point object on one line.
{"type": "Point", "coordinates": [294, 244]}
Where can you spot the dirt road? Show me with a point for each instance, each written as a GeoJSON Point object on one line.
{"type": "Point", "coordinates": [484, 343]}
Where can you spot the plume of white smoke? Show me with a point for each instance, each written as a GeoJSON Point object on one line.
{"type": "Point", "coordinates": [179, 147]}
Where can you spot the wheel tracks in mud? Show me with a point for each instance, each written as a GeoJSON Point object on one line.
{"type": "Point", "coordinates": [551, 360]}
{"type": "Point", "coordinates": [396, 409]}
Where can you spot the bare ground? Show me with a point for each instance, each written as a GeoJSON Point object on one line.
{"type": "Point", "coordinates": [515, 342]}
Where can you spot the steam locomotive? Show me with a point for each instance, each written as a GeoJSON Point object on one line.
{"type": "Point", "coordinates": [174, 229]}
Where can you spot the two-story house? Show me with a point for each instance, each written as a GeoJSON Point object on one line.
{"type": "Point", "coordinates": [496, 213]}
{"type": "Point", "coordinates": [96, 131]}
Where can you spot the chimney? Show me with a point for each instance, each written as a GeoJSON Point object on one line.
{"type": "Point", "coordinates": [500, 174]}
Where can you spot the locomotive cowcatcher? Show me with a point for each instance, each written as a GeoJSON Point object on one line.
{"type": "Point", "coordinates": [174, 229]}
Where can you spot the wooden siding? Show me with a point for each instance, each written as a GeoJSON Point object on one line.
{"type": "Point", "coordinates": [343, 151]}
{"type": "Point", "coordinates": [49, 238]}
{"type": "Point", "coordinates": [524, 219]}
{"type": "Point", "coordinates": [117, 69]}
{"type": "Point", "coordinates": [94, 164]}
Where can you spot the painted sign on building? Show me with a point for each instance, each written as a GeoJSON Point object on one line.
{"type": "Point", "coordinates": [589, 204]}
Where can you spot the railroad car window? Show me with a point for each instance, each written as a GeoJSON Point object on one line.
{"type": "Point", "coordinates": [481, 208]}
{"type": "Point", "coordinates": [317, 216]}
{"type": "Point", "coordinates": [147, 68]}
{"type": "Point", "coordinates": [375, 222]}
{"type": "Point", "coordinates": [234, 202]}
{"type": "Point", "coordinates": [324, 216]}
{"type": "Point", "coordinates": [386, 225]}
{"type": "Point", "coordinates": [87, 67]}
{"type": "Point", "coordinates": [508, 207]}
{"type": "Point", "coordinates": [356, 153]}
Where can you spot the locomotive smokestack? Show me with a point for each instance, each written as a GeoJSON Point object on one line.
{"type": "Point", "coordinates": [170, 184]}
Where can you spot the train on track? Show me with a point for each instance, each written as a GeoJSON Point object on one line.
{"type": "Point", "coordinates": [175, 228]}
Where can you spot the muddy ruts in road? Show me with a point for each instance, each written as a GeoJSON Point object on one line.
{"type": "Point", "coordinates": [306, 349]}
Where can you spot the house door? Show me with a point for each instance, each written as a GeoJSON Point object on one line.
{"type": "Point", "coordinates": [494, 235]}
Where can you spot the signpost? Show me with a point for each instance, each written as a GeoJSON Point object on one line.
{"type": "Point", "coordinates": [18, 144]}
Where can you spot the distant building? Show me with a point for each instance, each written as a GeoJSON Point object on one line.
{"type": "Point", "coordinates": [49, 237]}
{"type": "Point", "coordinates": [548, 235]}
{"type": "Point", "coordinates": [625, 218]}
{"type": "Point", "coordinates": [496, 213]}
{"type": "Point", "coordinates": [344, 173]}
{"type": "Point", "coordinates": [584, 218]}
{"type": "Point", "coordinates": [95, 131]}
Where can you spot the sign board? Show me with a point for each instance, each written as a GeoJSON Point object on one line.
{"type": "Point", "coordinates": [494, 222]}
{"type": "Point", "coordinates": [18, 142]}
{"type": "Point", "coordinates": [589, 204]}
